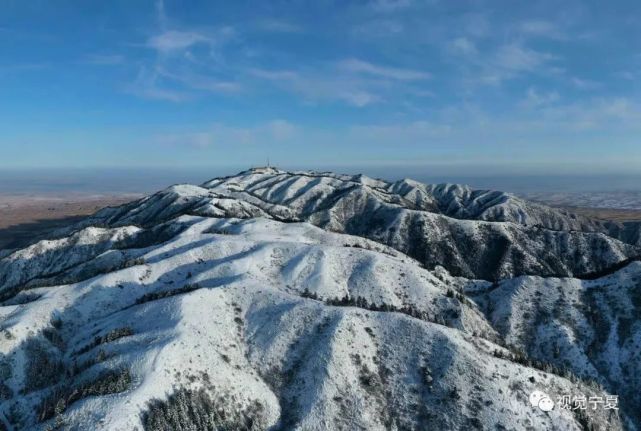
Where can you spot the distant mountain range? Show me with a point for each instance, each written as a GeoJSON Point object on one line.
{"type": "Point", "coordinates": [315, 301]}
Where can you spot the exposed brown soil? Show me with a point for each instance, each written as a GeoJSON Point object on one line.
{"type": "Point", "coordinates": [24, 219]}
{"type": "Point", "coordinates": [619, 215]}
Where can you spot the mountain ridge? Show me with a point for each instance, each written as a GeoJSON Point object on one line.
{"type": "Point", "coordinates": [255, 302]}
{"type": "Point", "coordinates": [526, 238]}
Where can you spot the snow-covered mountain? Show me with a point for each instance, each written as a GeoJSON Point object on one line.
{"type": "Point", "coordinates": [592, 327]}
{"type": "Point", "coordinates": [276, 300]}
{"type": "Point", "coordinates": [477, 234]}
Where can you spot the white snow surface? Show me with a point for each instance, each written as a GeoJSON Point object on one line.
{"type": "Point", "coordinates": [472, 233]}
{"type": "Point", "coordinates": [297, 326]}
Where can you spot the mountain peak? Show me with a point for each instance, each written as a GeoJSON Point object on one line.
{"type": "Point", "coordinates": [265, 170]}
{"type": "Point", "coordinates": [228, 303]}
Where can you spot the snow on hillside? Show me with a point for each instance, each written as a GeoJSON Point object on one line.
{"type": "Point", "coordinates": [316, 301]}
{"type": "Point", "coordinates": [276, 324]}
{"type": "Point", "coordinates": [592, 327]}
{"type": "Point", "coordinates": [476, 234]}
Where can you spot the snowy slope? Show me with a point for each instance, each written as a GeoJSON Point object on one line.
{"type": "Point", "coordinates": [592, 327]}
{"type": "Point", "coordinates": [248, 317]}
{"type": "Point", "coordinates": [316, 301]}
{"type": "Point", "coordinates": [476, 234]}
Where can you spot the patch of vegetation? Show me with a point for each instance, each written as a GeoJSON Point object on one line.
{"type": "Point", "coordinates": [53, 336]}
{"type": "Point", "coordinates": [15, 415]}
{"type": "Point", "coordinates": [147, 297]}
{"type": "Point", "coordinates": [521, 358]}
{"type": "Point", "coordinates": [409, 310]}
{"type": "Point", "coordinates": [5, 392]}
{"type": "Point", "coordinates": [133, 262]}
{"type": "Point", "coordinates": [78, 368]}
{"type": "Point", "coordinates": [44, 366]}
{"type": "Point", "coordinates": [125, 331]}
{"type": "Point", "coordinates": [188, 409]}
{"type": "Point", "coordinates": [624, 328]}
{"type": "Point", "coordinates": [584, 420]}
{"type": "Point", "coordinates": [22, 298]}
{"type": "Point", "coordinates": [61, 397]}
{"type": "Point", "coordinates": [597, 321]}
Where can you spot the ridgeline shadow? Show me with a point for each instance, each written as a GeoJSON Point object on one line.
{"type": "Point", "coordinates": [24, 234]}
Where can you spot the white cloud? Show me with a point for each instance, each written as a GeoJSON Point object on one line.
{"type": "Point", "coordinates": [379, 28]}
{"type": "Point", "coordinates": [596, 113]}
{"type": "Point", "coordinates": [222, 135]}
{"type": "Point", "coordinates": [463, 46]}
{"type": "Point", "coordinates": [173, 40]}
{"type": "Point", "coordinates": [105, 59]}
{"type": "Point", "coordinates": [510, 61]}
{"type": "Point", "coordinates": [161, 15]}
{"type": "Point", "coordinates": [315, 86]}
{"type": "Point", "coordinates": [359, 99]}
{"type": "Point", "coordinates": [351, 81]}
{"type": "Point", "coordinates": [476, 25]}
{"type": "Point", "coordinates": [276, 75]}
{"type": "Point", "coordinates": [627, 75]}
{"type": "Point", "coordinates": [279, 26]}
{"type": "Point", "coordinates": [156, 93]}
{"type": "Point", "coordinates": [178, 41]}
{"type": "Point", "coordinates": [199, 81]}
{"type": "Point", "coordinates": [535, 99]}
{"type": "Point", "coordinates": [408, 133]}
{"type": "Point", "coordinates": [519, 58]}
{"type": "Point", "coordinates": [148, 86]}
{"type": "Point", "coordinates": [281, 129]}
{"type": "Point", "coordinates": [354, 65]}
{"type": "Point", "coordinates": [180, 68]}
{"type": "Point", "coordinates": [541, 29]}
{"type": "Point", "coordinates": [584, 84]}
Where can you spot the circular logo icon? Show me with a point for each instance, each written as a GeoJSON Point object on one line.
{"type": "Point", "coordinates": [541, 400]}
{"type": "Point", "coordinates": [536, 396]}
{"type": "Point", "coordinates": [546, 404]}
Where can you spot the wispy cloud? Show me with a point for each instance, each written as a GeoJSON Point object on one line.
{"type": "Point", "coordinates": [172, 41]}
{"type": "Point", "coordinates": [221, 135]}
{"type": "Point", "coordinates": [596, 114]}
{"type": "Point", "coordinates": [198, 81]}
{"type": "Point", "coordinates": [275, 75]}
{"type": "Point", "coordinates": [584, 84]}
{"type": "Point", "coordinates": [516, 57]}
{"type": "Point", "coordinates": [105, 59]}
{"type": "Point", "coordinates": [148, 85]}
{"type": "Point", "coordinates": [410, 132]}
{"type": "Point", "coordinates": [378, 28]}
{"type": "Point", "coordinates": [477, 25]}
{"type": "Point", "coordinates": [359, 66]}
{"type": "Point", "coordinates": [317, 86]}
{"type": "Point", "coordinates": [535, 98]}
{"type": "Point", "coordinates": [463, 46]}
{"type": "Point", "coordinates": [512, 60]}
{"type": "Point", "coordinates": [279, 26]}
{"type": "Point", "coordinates": [541, 29]}
{"type": "Point", "coordinates": [181, 71]}
{"type": "Point", "coordinates": [282, 129]}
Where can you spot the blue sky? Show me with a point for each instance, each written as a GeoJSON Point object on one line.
{"type": "Point", "coordinates": [466, 86]}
